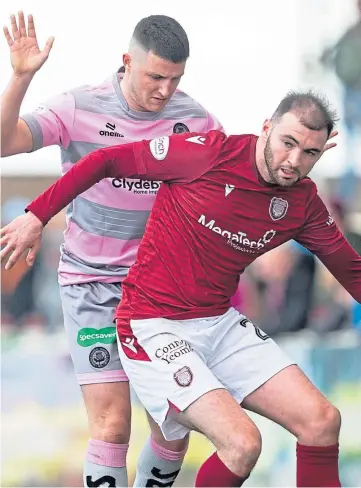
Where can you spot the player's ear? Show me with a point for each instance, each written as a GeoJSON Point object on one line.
{"type": "Point", "coordinates": [127, 58]}
{"type": "Point", "coordinates": [266, 128]}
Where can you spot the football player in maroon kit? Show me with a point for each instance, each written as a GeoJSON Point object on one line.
{"type": "Point", "coordinates": [192, 358]}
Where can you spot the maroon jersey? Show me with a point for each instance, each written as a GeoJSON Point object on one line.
{"type": "Point", "coordinates": [213, 216]}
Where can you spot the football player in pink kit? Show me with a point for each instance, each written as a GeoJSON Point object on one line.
{"type": "Point", "coordinates": [106, 223]}
{"type": "Point", "coordinates": [191, 358]}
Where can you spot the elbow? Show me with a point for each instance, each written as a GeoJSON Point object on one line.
{"type": "Point", "coordinates": [4, 153]}
{"type": "Point", "coordinates": [4, 150]}
{"type": "Point", "coordinates": [12, 146]}
{"type": "Point", "coordinates": [6, 147]}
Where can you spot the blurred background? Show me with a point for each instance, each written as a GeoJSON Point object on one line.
{"type": "Point", "coordinates": [244, 58]}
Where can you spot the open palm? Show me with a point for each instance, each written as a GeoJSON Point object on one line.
{"type": "Point", "coordinates": [25, 55]}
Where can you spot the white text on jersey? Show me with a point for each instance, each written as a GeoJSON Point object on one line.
{"type": "Point", "coordinates": [239, 240]}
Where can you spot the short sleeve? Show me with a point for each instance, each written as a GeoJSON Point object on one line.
{"type": "Point", "coordinates": [52, 122]}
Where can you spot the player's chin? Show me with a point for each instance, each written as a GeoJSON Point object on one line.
{"type": "Point", "coordinates": [287, 181]}
{"type": "Point", "coordinates": [155, 105]}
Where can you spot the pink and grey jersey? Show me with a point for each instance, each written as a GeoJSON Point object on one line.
{"type": "Point", "coordinates": [105, 224]}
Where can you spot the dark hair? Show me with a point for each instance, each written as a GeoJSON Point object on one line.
{"type": "Point", "coordinates": [164, 36]}
{"type": "Point", "coordinates": [313, 109]}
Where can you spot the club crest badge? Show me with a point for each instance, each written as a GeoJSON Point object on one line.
{"type": "Point", "coordinates": [184, 376]}
{"type": "Point", "coordinates": [278, 208]}
{"type": "Point", "coordinates": [179, 128]}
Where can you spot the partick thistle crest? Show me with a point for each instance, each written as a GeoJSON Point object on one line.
{"type": "Point", "coordinates": [278, 208]}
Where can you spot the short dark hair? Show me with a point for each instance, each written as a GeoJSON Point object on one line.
{"type": "Point", "coordinates": [164, 36]}
{"type": "Point", "coordinates": [313, 109]}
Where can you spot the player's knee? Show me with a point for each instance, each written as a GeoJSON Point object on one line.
{"type": "Point", "coordinates": [111, 427]}
{"type": "Point", "coordinates": [244, 450]}
{"type": "Point", "coordinates": [110, 421]}
{"type": "Point", "coordinates": [109, 411]}
{"type": "Point", "coordinates": [328, 420]}
{"type": "Point", "coordinates": [323, 425]}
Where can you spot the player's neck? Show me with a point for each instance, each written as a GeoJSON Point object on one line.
{"type": "Point", "coordinates": [261, 163]}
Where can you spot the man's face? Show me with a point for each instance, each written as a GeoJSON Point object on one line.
{"type": "Point", "coordinates": [291, 149]}
{"type": "Point", "coordinates": [152, 80]}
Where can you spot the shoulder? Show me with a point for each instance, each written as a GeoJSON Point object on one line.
{"type": "Point", "coordinates": [240, 146]}
{"type": "Point", "coordinates": [86, 94]}
{"type": "Point", "coordinates": [182, 105]}
{"type": "Point", "coordinates": [241, 141]}
{"type": "Point", "coordinates": [226, 147]}
{"type": "Point", "coordinates": [306, 194]}
{"type": "Point", "coordinates": [308, 187]}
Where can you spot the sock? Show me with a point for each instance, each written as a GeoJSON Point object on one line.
{"type": "Point", "coordinates": [214, 472]}
{"type": "Point", "coordinates": [158, 466]}
{"type": "Point", "coordinates": [105, 464]}
{"type": "Point", "coordinates": [317, 466]}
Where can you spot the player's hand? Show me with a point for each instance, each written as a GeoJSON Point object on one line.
{"type": "Point", "coordinates": [21, 234]}
{"type": "Point", "coordinates": [330, 145]}
{"type": "Point", "coordinates": [25, 55]}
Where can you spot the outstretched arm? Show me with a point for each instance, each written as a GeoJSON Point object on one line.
{"type": "Point", "coordinates": [179, 158]}
{"type": "Point", "coordinates": [322, 237]}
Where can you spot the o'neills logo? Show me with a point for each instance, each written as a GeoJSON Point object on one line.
{"type": "Point", "coordinates": [239, 240]}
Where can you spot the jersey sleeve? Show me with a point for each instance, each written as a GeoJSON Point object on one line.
{"type": "Point", "coordinates": [180, 158]}
{"type": "Point", "coordinates": [321, 236]}
{"type": "Point", "coordinates": [51, 123]}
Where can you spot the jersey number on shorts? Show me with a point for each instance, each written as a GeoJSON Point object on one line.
{"type": "Point", "coordinates": [259, 333]}
{"type": "Point", "coordinates": [169, 478]}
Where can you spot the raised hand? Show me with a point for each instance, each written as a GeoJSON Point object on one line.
{"type": "Point", "coordinates": [331, 144]}
{"type": "Point", "coordinates": [25, 55]}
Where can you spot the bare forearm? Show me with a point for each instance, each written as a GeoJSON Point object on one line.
{"type": "Point", "coordinates": [11, 101]}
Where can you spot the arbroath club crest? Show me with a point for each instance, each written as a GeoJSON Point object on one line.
{"type": "Point", "coordinates": [184, 376]}
{"type": "Point", "coordinates": [278, 208]}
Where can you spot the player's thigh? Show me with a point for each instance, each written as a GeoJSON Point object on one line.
{"type": "Point", "coordinates": [221, 419]}
{"type": "Point", "coordinates": [88, 318]}
{"type": "Point", "coordinates": [166, 372]}
{"type": "Point", "coordinates": [244, 358]}
{"type": "Point", "coordinates": [290, 399]}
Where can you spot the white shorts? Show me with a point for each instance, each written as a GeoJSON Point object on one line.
{"type": "Point", "coordinates": [172, 363]}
